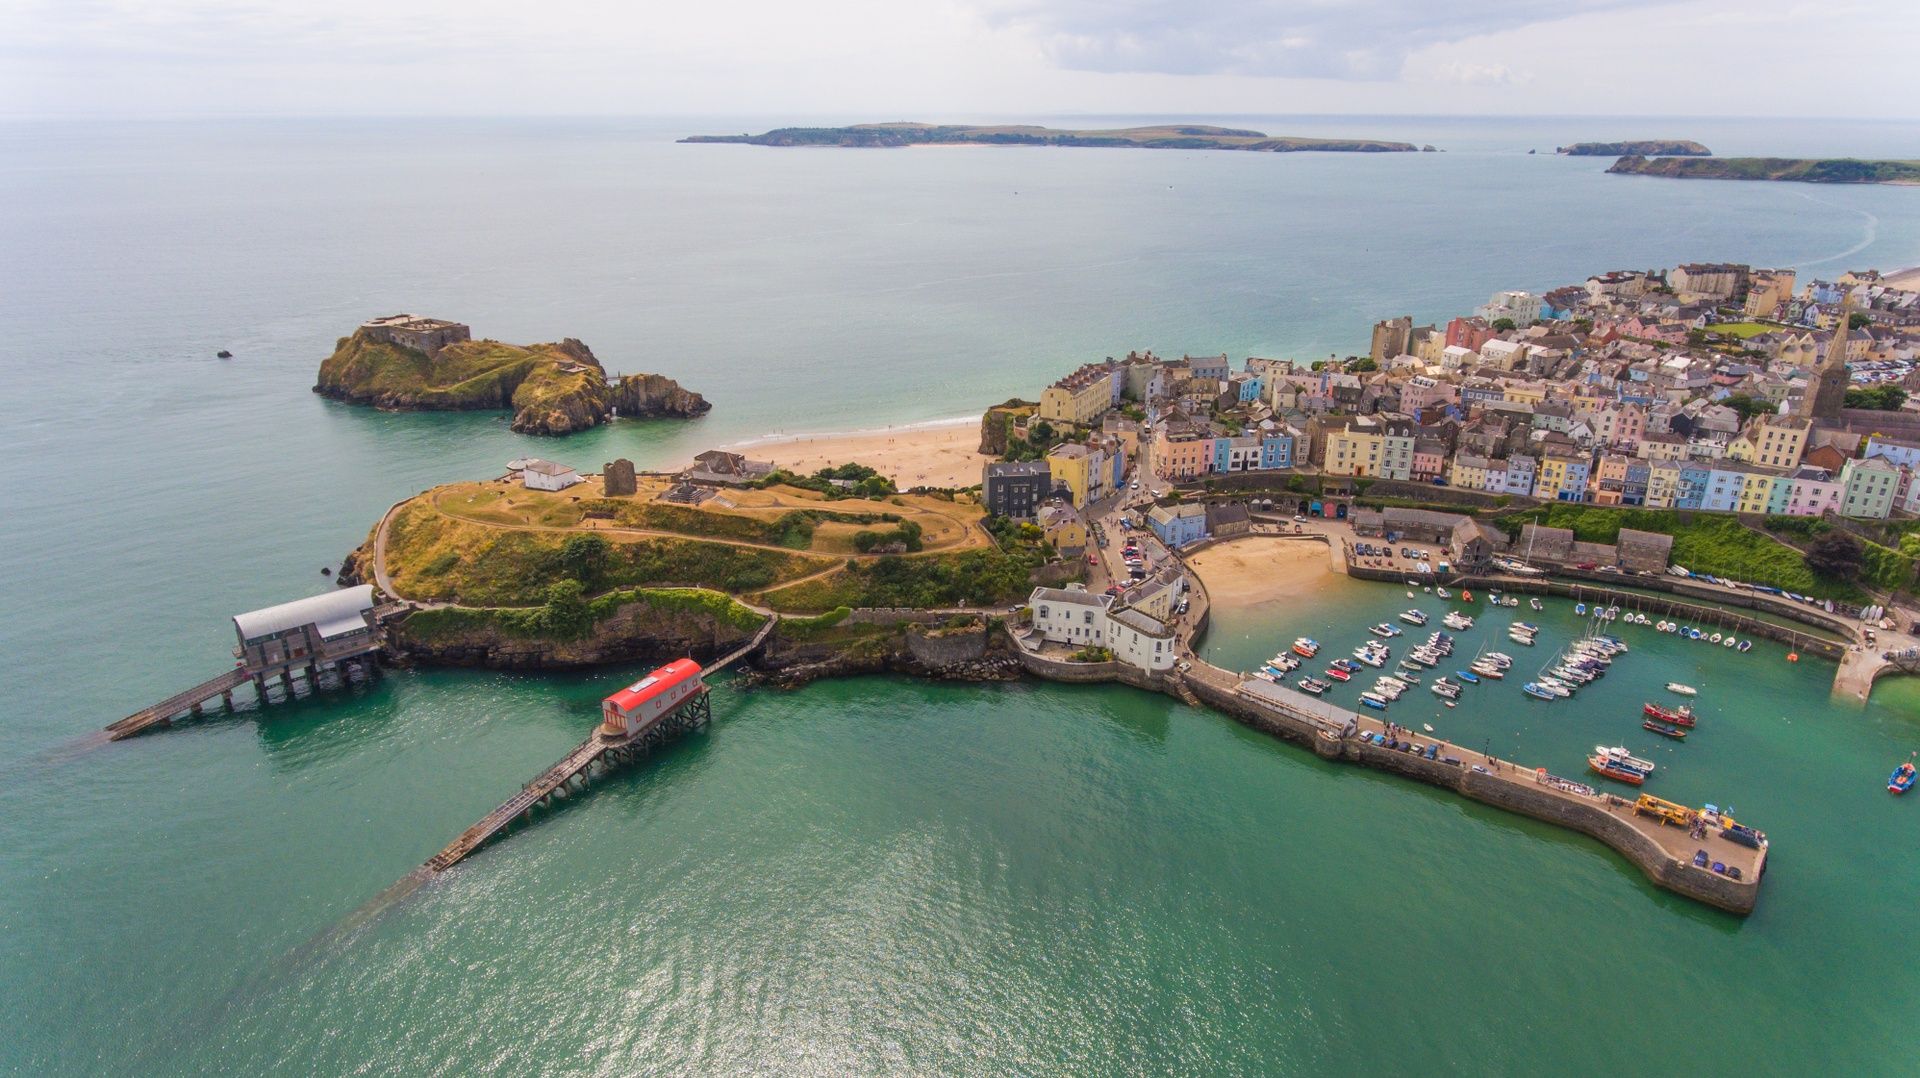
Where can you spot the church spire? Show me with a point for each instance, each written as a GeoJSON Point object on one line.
{"type": "Point", "coordinates": [1827, 389]}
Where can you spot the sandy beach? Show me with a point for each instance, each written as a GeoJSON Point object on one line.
{"type": "Point", "coordinates": [942, 456]}
{"type": "Point", "coordinates": [1906, 278]}
{"type": "Point", "coordinates": [1253, 571]}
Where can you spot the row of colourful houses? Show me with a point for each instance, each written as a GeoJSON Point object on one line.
{"type": "Point", "coordinates": [1870, 487]}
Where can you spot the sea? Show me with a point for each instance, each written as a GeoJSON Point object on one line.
{"type": "Point", "coordinates": [869, 876]}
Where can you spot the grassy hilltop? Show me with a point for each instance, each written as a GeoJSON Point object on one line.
{"type": "Point", "coordinates": [551, 388]}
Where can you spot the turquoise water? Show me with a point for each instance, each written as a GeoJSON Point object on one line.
{"type": "Point", "coordinates": [872, 876]}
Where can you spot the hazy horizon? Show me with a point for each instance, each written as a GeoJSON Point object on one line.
{"type": "Point", "coordinates": [117, 59]}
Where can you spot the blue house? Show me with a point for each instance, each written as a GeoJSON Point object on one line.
{"type": "Point", "coordinates": [1692, 490]}
{"type": "Point", "coordinates": [1276, 451]}
{"type": "Point", "coordinates": [1178, 525]}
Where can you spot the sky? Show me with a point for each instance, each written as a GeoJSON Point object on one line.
{"type": "Point", "coordinates": [864, 60]}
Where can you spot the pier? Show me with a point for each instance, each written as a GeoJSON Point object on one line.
{"type": "Point", "coordinates": [336, 632]}
{"type": "Point", "coordinates": [1662, 851]}
{"type": "Point", "coordinates": [659, 707]}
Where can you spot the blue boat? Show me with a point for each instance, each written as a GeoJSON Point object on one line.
{"type": "Point", "coordinates": [1375, 702]}
{"type": "Point", "coordinates": [1467, 676]}
{"type": "Point", "coordinates": [1579, 608]}
{"type": "Point", "coordinates": [1534, 690]}
{"type": "Point", "coordinates": [1901, 780]}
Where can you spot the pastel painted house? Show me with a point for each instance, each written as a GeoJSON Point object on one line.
{"type": "Point", "coordinates": [1178, 525]}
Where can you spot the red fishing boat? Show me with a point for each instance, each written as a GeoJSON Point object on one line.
{"type": "Point", "coordinates": [1679, 716]}
{"type": "Point", "coordinates": [1616, 770]}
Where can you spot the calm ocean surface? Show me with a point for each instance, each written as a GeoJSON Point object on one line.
{"type": "Point", "coordinates": [870, 876]}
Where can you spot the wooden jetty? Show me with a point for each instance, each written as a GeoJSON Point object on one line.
{"type": "Point", "coordinates": [666, 703]}
{"type": "Point", "coordinates": [339, 631]}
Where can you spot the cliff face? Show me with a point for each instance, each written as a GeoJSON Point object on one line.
{"type": "Point", "coordinates": [550, 388]}
{"type": "Point", "coordinates": [995, 424]}
{"type": "Point", "coordinates": [636, 633]}
{"type": "Point", "coordinates": [1647, 147]}
{"type": "Point", "coordinates": [977, 653]}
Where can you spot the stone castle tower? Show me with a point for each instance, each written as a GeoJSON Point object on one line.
{"type": "Point", "coordinates": [1827, 392]}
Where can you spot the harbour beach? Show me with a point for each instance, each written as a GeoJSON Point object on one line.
{"type": "Point", "coordinates": [1256, 573]}
{"type": "Point", "coordinates": [929, 455]}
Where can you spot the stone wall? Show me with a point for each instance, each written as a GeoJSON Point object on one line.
{"type": "Point", "coordinates": [947, 647]}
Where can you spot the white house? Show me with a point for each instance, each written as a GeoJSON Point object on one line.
{"type": "Point", "coordinates": [540, 474]}
{"type": "Point", "coordinates": [1078, 618]}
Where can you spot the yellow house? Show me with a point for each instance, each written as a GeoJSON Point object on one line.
{"type": "Point", "coordinates": [1524, 392]}
{"type": "Point", "coordinates": [1550, 478]}
{"type": "Point", "coordinates": [1064, 530]}
{"type": "Point", "coordinates": [1080, 397]}
{"type": "Point", "coordinates": [1070, 464]}
{"type": "Point", "coordinates": [1780, 440]}
{"type": "Point", "coordinates": [1663, 483]}
{"type": "Point", "coordinates": [1741, 448]}
{"type": "Point", "coordinates": [1756, 489]}
{"type": "Point", "coordinates": [1468, 472]}
{"type": "Point", "coordinates": [1353, 452]}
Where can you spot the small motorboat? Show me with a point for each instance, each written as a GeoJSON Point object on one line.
{"type": "Point", "coordinates": [1338, 673]}
{"type": "Point", "coordinates": [1446, 690]}
{"type": "Point", "coordinates": [1526, 627]}
{"type": "Point", "coordinates": [1284, 663]}
{"type": "Point", "coordinates": [1536, 604]}
{"type": "Point", "coordinates": [1664, 730]}
{"type": "Point", "coordinates": [1560, 689]}
{"type": "Point", "coordinates": [1443, 593]}
{"type": "Point", "coordinates": [1457, 621]}
{"type": "Point", "coordinates": [1410, 676]}
{"type": "Point", "coordinates": [1715, 638]}
{"type": "Point", "coordinates": [1265, 674]}
{"type": "Point", "coordinates": [1745, 646]}
{"type": "Point", "coordinates": [1901, 780]}
{"type": "Point", "coordinates": [1730, 641]}
{"type": "Point", "coordinates": [1313, 685]}
{"type": "Point", "coordinates": [1467, 676]}
{"type": "Point", "coordinates": [1306, 647]}
{"type": "Point", "coordinates": [1466, 596]}
{"type": "Point", "coordinates": [1488, 670]}
{"type": "Point", "coordinates": [1385, 630]}
{"type": "Point", "coordinates": [1374, 701]}
{"type": "Point", "coordinates": [1610, 768]}
{"type": "Point", "coordinates": [1580, 608]}
{"type": "Point", "coordinates": [1535, 690]}
{"type": "Point", "coordinates": [1519, 637]}
{"type": "Point", "coordinates": [1682, 690]}
{"type": "Point", "coordinates": [1621, 755]}
{"type": "Point", "coordinates": [1414, 617]}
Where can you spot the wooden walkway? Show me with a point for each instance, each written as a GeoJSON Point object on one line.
{"type": "Point", "coordinates": [162, 713]}
{"type": "Point", "coordinates": [743, 650]}
{"type": "Point", "coordinates": [550, 780]}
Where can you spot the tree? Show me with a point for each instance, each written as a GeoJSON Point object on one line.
{"type": "Point", "coordinates": [1858, 320]}
{"type": "Point", "coordinates": [1748, 406]}
{"type": "Point", "coordinates": [1363, 365]}
{"type": "Point", "coordinates": [584, 558]}
{"type": "Point", "coordinates": [1885, 397]}
{"type": "Point", "coordinates": [1836, 556]}
{"type": "Point", "coordinates": [1040, 432]}
{"type": "Point", "coordinates": [1503, 325]}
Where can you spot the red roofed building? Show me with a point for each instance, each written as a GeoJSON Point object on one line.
{"type": "Point", "coordinates": [643, 703]}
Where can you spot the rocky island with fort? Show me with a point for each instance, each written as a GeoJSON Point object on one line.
{"type": "Point", "coordinates": [1645, 147]}
{"type": "Point", "coordinates": [1164, 137]}
{"type": "Point", "coordinates": [408, 363]}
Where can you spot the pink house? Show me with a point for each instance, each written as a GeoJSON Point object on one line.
{"type": "Point", "coordinates": [1814, 492]}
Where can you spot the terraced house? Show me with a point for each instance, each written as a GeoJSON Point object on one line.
{"type": "Point", "coordinates": [1083, 396]}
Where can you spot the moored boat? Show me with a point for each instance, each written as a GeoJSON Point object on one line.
{"type": "Point", "coordinates": [1613, 769]}
{"type": "Point", "coordinates": [1901, 780]}
{"type": "Point", "coordinates": [1339, 673]}
{"type": "Point", "coordinates": [1374, 701]}
{"type": "Point", "coordinates": [1620, 754]}
{"type": "Point", "coordinates": [1683, 690]}
{"type": "Point", "coordinates": [1313, 685]}
{"type": "Point", "coordinates": [1306, 647]}
{"type": "Point", "coordinates": [1536, 603]}
{"type": "Point", "coordinates": [1385, 630]}
{"type": "Point", "coordinates": [1446, 689]}
{"type": "Point", "coordinates": [1664, 730]}
{"type": "Point", "coordinates": [1678, 716]}
{"type": "Point", "coordinates": [1467, 676]}
{"type": "Point", "coordinates": [1534, 690]}
{"type": "Point", "coordinates": [1745, 646]}
{"type": "Point", "coordinates": [1414, 617]}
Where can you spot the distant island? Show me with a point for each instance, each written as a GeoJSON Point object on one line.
{"type": "Point", "coordinates": [1163, 137]}
{"type": "Point", "coordinates": [407, 363]}
{"type": "Point", "coordinates": [1804, 170]}
{"type": "Point", "coordinates": [1644, 147]}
